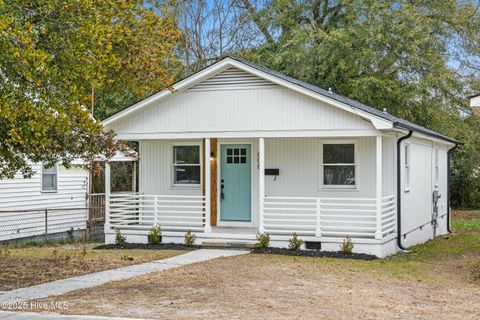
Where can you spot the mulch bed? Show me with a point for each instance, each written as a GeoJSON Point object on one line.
{"type": "Point", "coordinates": [279, 251]}
{"type": "Point", "coordinates": [314, 253]}
{"type": "Point", "coordinates": [147, 246]}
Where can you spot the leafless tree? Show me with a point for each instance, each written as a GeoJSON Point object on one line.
{"type": "Point", "coordinates": [212, 29]}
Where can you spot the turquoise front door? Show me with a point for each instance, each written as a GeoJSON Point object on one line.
{"type": "Point", "coordinates": [235, 182]}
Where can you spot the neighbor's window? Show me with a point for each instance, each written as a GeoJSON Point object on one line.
{"type": "Point", "coordinates": [436, 167]}
{"type": "Point", "coordinates": [186, 165]}
{"type": "Point", "coordinates": [339, 165]}
{"type": "Point", "coordinates": [49, 178]}
{"type": "Point", "coordinates": [406, 164]}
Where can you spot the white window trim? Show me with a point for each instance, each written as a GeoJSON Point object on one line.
{"type": "Point", "coordinates": [172, 166]}
{"type": "Point", "coordinates": [436, 167]}
{"type": "Point", "coordinates": [407, 166]}
{"type": "Point", "coordinates": [355, 154]}
{"type": "Point", "coordinates": [56, 180]}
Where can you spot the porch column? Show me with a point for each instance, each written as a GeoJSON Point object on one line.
{"type": "Point", "coordinates": [378, 197]}
{"type": "Point", "coordinates": [261, 182]}
{"type": "Point", "coordinates": [208, 187]}
{"type": "Point", "coordinates": [107, 196]}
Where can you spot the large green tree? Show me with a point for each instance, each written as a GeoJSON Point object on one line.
{"type": "Point", "coordinates": [54, 54]}
{"type": "Point", "coordinates": [418, 59]}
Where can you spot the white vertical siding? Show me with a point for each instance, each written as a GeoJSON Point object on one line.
{"type": "Point", "coordinates": [417, 204]}
{"type": "Point", "coordinates": [299, 162]}
{"type": "Point", "coordinates": [388, 169]}
{"type": "Point", "coordinates": [26, 193]}
{"type": "Point", "coordinates": [156, 175]}
{"type": "Point", "coordinates": [257, 109]}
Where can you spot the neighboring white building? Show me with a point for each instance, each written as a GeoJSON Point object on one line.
{"type": "Point", "coordinates": [55, 187]}
{"type": "Point", "coordinates": [237, 148]}
{"type": "Point", "coordinates": [475, 102]}
{"type": "Point", "coordinates": [23, 202]}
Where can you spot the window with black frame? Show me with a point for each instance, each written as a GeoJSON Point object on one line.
{"type": "Point", "coordinates": [186, 165]}
{"type": "Point", "coordinates": [339, 165]}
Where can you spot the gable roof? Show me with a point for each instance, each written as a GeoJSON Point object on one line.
{"type": "Point", "coordinates": [379, 118]}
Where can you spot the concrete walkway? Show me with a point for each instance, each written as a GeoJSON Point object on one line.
{"type": "Point", "coordinates": [11, 315]}
{"type": "Point", "coordinates": [94, 279]}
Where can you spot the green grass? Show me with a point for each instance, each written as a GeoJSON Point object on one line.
{"type": "Point", "coordinates": [454, 256]}
{"type": "Point", "coordinates": [466, 224]}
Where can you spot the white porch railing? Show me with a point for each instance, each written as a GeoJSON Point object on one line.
{"type": "Point", "coordinates": [170, 212]}
{"type": "Point", "coordinates": [307, 216]}
{"type": "Point", "coordinates": [328, 217]}
{"type": "Point", "coordinates": [389, 215]}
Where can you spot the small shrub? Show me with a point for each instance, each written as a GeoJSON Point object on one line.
{"type": "Point", "coordinates": [476, 272]}
{"type": "Point", "coordinates": [120, 239]}
{"type": "Point", "coordinates": [263, 240]}
{"type": "Point", "coordinates": [294, 243]}
{"type": "Point", "coordinates": [84, 252]}
{"type": "Point", "coordinates": [32, 243]}
{"type": "Point", "coordinates": [155, 235]}
{"type": "Point", "coordinates": [347, 245]}
{"type": "Point", "coordinates": [189, 238]}
{"type": "Point", "coordinates": [127, 258]}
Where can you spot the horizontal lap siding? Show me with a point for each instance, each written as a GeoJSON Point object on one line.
{"type": "Point", "coordinates": [20, 193]}
{"type": "Point", "coordinates": [26, 193]}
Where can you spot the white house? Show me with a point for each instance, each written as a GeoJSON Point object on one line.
{"type": "Point", "coordinates": [23, 202]}
{"type": "Point", "coordinates": [237, 149]}
{"type": "Point", "coordinates": [475, 102]}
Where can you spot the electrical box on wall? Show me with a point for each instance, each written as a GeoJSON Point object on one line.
{"type": "Point", "coordinates": [272, 172]}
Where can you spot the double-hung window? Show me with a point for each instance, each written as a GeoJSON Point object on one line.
{"type": "Point", "coordinates": [338, 165]}
{"type": "Point", "coordinates": [406, 165]}
{"type": "Point", "coordinates": [49, 178]}
{"type": "Point", "coordinates": [186, 165]}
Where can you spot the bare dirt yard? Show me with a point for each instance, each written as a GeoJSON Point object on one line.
{"type": "Point", "coordinates": [30, 265]}
{"type": "Point", "coordinates": [436, 280]}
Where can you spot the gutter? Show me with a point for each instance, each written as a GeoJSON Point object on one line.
{"type": "Point", "coordinates": [448, 188]}
{"type": "Point", "coordinates": [424, 131]}
{"type": "Point", "coordinates": [399, 192]}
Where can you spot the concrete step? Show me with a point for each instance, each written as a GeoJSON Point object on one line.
{"type": "Point", "coordinates": [229, 244]}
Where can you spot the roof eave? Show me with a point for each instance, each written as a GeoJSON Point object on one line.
{"type": "Point", "coordinates": [405, 126]}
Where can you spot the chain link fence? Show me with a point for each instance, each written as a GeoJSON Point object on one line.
{"type": "Point", "coordinates": [51, 224]}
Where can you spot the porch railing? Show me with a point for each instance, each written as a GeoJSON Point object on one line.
{"type": "Point", "coordinates": [307, 216]}
{"type": "Point", "coordinates": [170, 212]}
{"type": "Point", "coordinates": [328, 217]}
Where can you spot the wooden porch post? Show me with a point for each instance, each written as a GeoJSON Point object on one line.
{"type": "Point", "coordinates": [208, 187]}
{"type": "Point", "coordinates": [378, 162]}
{"type": "Point", "coordinates": [107, 196]}
{"type": "Point", "coordinates": [261, 182]}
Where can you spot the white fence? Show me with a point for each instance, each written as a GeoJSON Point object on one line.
{"type": "Point", "coordinates": [171, 212]}
{"type": "Point", "coordinates": [17, 224]}
{"type": "Point", "coordinates": [320, 217]}
{"type": "Point", "coordinates": [328, 217]}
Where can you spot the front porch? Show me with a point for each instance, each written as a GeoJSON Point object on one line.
{"type": "Point", "coordinates": [294, 199]}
